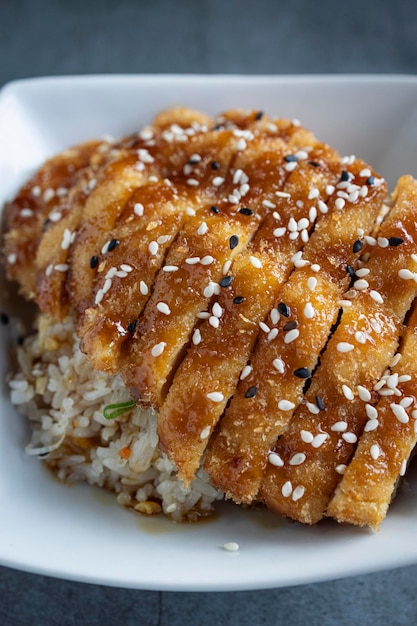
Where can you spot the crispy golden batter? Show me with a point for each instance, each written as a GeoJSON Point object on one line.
{"type": "Point", "coordinates": [279, 366]}
{"type": "Point", "coordinates": [321, 437]}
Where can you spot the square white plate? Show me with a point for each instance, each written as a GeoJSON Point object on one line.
{"type": "Point", "coordinates": [79, 532]}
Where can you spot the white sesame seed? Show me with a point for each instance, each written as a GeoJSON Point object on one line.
{"type": "Point", "coordinates": [344, 346]}
{"type": "Point", "coordinates": [349, 437]}
{"type": "Point", "coordinates": [360, 337]}
{"type": "Point", "coordinates": [339, 427]}
{"type": "Point", "coordinates": [371, 424]}
{"type": "Point", "coordinates": [406, 402]}
{"type": "Point", "coordinates": [158, 348]}
{"type": "Point", "coordinates": [392, 381]}
{"type": "Point", "coordinates": [245, 372]}
{"type": "Point", "coordinates": [404, 378]}
{"type": "Point", "coordinates": [255, 262]}
{"type": "Point", "coordinates": [309, 311]}
{"type": "Point", "coordinates": [406, 274]}
{"type": "Point", "coordinates": [290, 167]}
{"type": "Point", "coordinates": [298, 458]}
{"type": "Point", "coordinates": [153, 179]}
{"type": "Point", "coordinates": [282, 194]}
{"type": "Point", "coordinates": [202, 229]}
{"type": "Point", "coordinates": [171, 508]}
{"type": "Point", "coordinates": [375, 295]}
{"type": "Point", "coordinates": [361, 284]}
{"type": "Point", "coordinates": [215, 396]}
{"type": "Point", "coordinates": [275, 459]}
{"type": "Point", "coordinates": [107, 285]}
{"type": "Point", "coordinates": [196, 339]}
{"type": "Point", "coordinates": [203, 315]}
{"type": "Point", "coordinates": [272, 334]}
{"type": "Point", "coordinates": [274, 315]}
{"type": "Point", "coordinates": [371, 411]}
{"type": "Point", "coordinates": [48, 194]}
{"type": "Point", "coordinates": [403, 467]}
{"type": "Point", "coordinates": [315, 267]}
{"type": "Point", "coordinates": [330, 189]}
{"type": "Point", "coordinates": [190, 211]}
{"type": "Point", "coordinates": [146, 134]}
{"type": "Point", "coordinates": [12, 258]}
{"type": "Point", "coordinates": [226, 266]}
{"type": "Point", "coordinates": [340, 469]}
{"type": "Point", "coordinates": [241, 144]}
{"type": "Point", "coordinates": [49, 270]}
{"type": "Point", "coordinates": [192, 182]}
{"type": "Point", "coordinates": [371, 241]}
{"type": "Point", "coordinates": [301, 155]}
{"type": "Point", "coordinates": [139, 166]}
{"type": "Point", "coordinates": [66, 239]}
{"type": "Point", "coordinates": [205, 433]}
{"type": "Point", "coordinates": [395, 360]}
{"type": "Point", "coordinates": [312, 283]}
{"type": "Point", "coordinates": [99, 296]}
{"type": "Point", "coordinates": [264, 327]}
{"type": "Point", "coordinates": [153, 248]}
{"type": "Point", "coordinates": [303, 223]}
{"type": "Point", "coordinates": [243, 189]}
{"type": "Point", "coordinates": [383, 242]}
{"type": "Point", "coordinates": [286, 489]}
{"type": "Point", "coordinates": [339, 203]}
{"type": "Point", "coordinates": [26, 213]}
{"type": "Point", "coordinates": [217, 181]}
{"type": "Point", "coordinates": [143, 288]}
{"type": "Point", "coordinates": [207, 260]}
{"type": "Point", "coordinates": [268, 204]}
{"type": "Point", "coordinates": [61, 267]}
{"type": "Point", "coordinates": [344, 303]}
{"type": "Point", "coordinates": [231, 546]}
{"type": "Point", "coordinates": [214, 321]}
{"type": "Point", "coordinates": [236, 176]}
{"type": "Point", "coordinates": [386, 392]}
{"type": "Point", "coordinates": [36, 191]}
{"type": "Point", "coordinates": [55, 216]}
{"type": "Point", "coordinates": [163, 239]}
{"type": "Point", "coordinates": [286, 405]}
{"type": "Point", "coordinates": [312, 214]}
{"type": "Point", "coordinates": [163, 308]}
{"type": "Point", "coordinates": [234, 197]}
{"type": "Point", "coordinates": [364, 394]}
{"type": "Point", "coordinates": [361, 273]}
{"type": "Point", "coordinates": [313, 193]}
{"type": "Point", "coordinates": [365, 172]}
{"type": "Point", "coordinates": [294, 235]}
{"type": "Point", "coordinates": [312, 408]}
{"type": "Point", "coordinates": [306, 436]}
{"type": "Point", "coordinates": [375, 451]}
{"type": "Point", "coordinates": [144, 156]}
{"type": "Point", "coordinates": [298, 493]}
{"type": "Point", "coordinates": [400, 413]}
{"type": "Point", "coordinates": [126, 268]}
{"type": "Point", "coordinates": [347, 392]}
{"type": "Point", "coordinates": [292, 225]}
{"type": "Point", "coordinates": [291, 335]}
{"type": "Point", "coordinates": [319, 440]}
{"type": "Point", "coordinates": [217, 310]}
{"type": "Point", "coordinates": [193, 260]}
{"type": "Point", "coordinates": [279, 365]}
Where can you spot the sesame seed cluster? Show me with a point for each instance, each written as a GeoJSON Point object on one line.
{"type": "Point", "coordinates": [251, 285]}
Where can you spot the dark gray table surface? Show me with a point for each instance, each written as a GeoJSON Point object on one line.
{"type": "Point", "coordinates": [47, 37]}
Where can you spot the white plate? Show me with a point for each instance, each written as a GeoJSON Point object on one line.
{"type": "Point", "coordinates": [79, 532]}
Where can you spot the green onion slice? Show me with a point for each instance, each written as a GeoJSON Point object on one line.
{"type": "Point", "coordinates": [111, 411]}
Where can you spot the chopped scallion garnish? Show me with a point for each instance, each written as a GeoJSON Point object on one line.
{"type": "Point", "coordinates": [111, 411]}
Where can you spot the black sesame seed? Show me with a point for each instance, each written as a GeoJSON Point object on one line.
{"type": "Point", "coordinates": [226, 281]}
{"type": "Point", "coordinates": [320, 403]}
{"type": "Point", "coordinates": [238, 300]}
{"type": "Point", "coordinates": [345, 176]}
{"type": "Point", "coordinates": [93, 262]}
{"type": "Point", "coordinates": [233, 241]}
{"type": "Point", "coordinates": [214, 209]}
{"type": "Point", "coordinates": [251, 392]}
{"type": "Point", "coordinates": [395, 241]}
{"type": "Point", "coordinates": [314, 163]}
{"type": "Point", "coordinates": [20, 341]}
{"type": "Point", "coordinates": [218, 127]}
{"type": "Point", "coordinates": [4, 318]}
{"type": "Point", "coordinates": [290, 325]}
{"type": "Point", "coordinates": [132, 326]}
{"type": "Point", "coordinates": [46, 224]}
{"type": "Point", "coordinates": [351, 271]}
{"type": "Point", "coordinates": [370, 180]}
{"type": "Point", "coordinates": [284, 309]}
{"type": "Point", "coordinates": [246, 211]}
{"type": "Point", "coordinates": [259, 115]}
{"type": "Point", "coordinates": [135, 142]}
{"type": "Point", "coordinates": [290, 158]}
{"type": "Point", "coordinates": [215, 165]}
{"type": "Point", "coordinates": [42, 455]}
{"type": "Point", "coordinates": [302, 372]}
{"type": "Point", "coordinates": [357, 246]}
{"type": "Point", "coordinates": [113, 244]}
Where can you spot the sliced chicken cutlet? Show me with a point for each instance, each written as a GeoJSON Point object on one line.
{"type": "Point", "coordinates": [38, 202]}
{"type": "Point", "coordinates": [320, 439]}
{"type": "Point", "coordinates": [149, 377]}
{"type": "Point", "coordinates": [220, 347]}
{"type": "Point", "coordinates": [369, 482]}
{"type": "Point", "coordinates": [305, 308]}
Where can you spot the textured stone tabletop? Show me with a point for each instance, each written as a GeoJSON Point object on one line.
{"type": "Point", "coordinates": [47, 37]}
